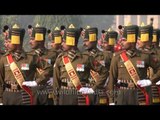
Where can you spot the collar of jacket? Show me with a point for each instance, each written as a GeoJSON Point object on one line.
{"type": "Point", "coordinates": [131, 53]}
{"type": "Point", "coordinates": [72, 54]}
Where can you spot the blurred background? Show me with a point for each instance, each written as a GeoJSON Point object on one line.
{"type": "Point", "coordinates": [51, 21]}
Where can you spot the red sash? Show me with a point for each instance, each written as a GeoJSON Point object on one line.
{"type": "Point", "coordinates": [134, 75]}
{"type": "Point", "coordinates": [19, 77]}
{"type": "Point", "coordinates": [73, 76]}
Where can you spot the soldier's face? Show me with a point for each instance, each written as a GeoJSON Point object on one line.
{"type": "Point", "coordinates": [57, 46]}
{"type": "Point", "coordinates": [87, 44]}
{"type": "Point", "coordinates": [125, 45]}
{"type": "Point", "coordinates": [50, 36]}
{"type": "Point", "coordinates": [11, 47]}
{"type": "Point", "coordinates": [33, 43]}
{"type": "Point", "coordinates": [141, 44]}
{"type": "Point", "coordinates": [65, 47]}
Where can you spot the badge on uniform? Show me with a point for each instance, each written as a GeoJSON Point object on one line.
{"type": "Point", "coordinates": [24, 66]}
{"type": "Point", "coordinates": [80, 67]}
{"type": "Point", "coordinates": [140, 64]}
{"type": "Point", "coordinates": [48, 60]}
{"type": "Point", "coordinates": [102, 62]}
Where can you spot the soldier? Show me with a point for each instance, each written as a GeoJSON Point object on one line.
{"type": "Point", "coordinates": [56, 38]}
{"type": "Point", "coordinates": [37, 41]}
{"type": "Point", "coordinates": [108, 43]}
{"type": "Point", "coordinates": [17, 71]}
{"type": "Point", "coordinates": [151, 47]}
{"type": "Point", "coordinates": [156, 57]}
{"type": "Point", "coordinates": [71, 72]}
{"type": "Point", "coordinates": [90, 44]}
{"type": "Point", "coordinates": [128, 70]}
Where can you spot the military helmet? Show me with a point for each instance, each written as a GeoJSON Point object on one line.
{"type": "Point", "coordinates": [111, 36]}
{"type": "Point", "coordinates": [131, 33]}
{"type": "Point", "coordinates": [56, 36]}
{"type": "Point", "coordinates": [91, 34]}
{"type": "Point", "coordinates": [71, 35]}
{"type": "Point", "coordinates": [39, 33]}
{"type": "Point", "coordinates": [145, 32]}
{"type": "Point", "coordinates": [16, 34]}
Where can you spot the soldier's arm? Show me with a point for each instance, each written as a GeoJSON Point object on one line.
{"type": "Point", "coordinates": [102, 70]}
{"type": "Point", "coordinates": [2, 75]}
{"type": "Point", "coordinates": [113, 74]}
{"type": "Point", "coordinates": [46, 67]}
{"type": "Point", "coordinates": [156, 67]}
{"type": "Point", "coordinates": [56, 79]}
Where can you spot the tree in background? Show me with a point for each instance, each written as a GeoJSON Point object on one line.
{"type": "Point", "coordinates": [52, 21]}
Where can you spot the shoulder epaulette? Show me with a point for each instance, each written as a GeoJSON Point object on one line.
{"type": "Point", "coordinates": [60, 55]}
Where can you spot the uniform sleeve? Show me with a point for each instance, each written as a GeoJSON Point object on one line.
{"type": "Point", "coordinates": [102, 70]}
{"type": "Point", "coordinates": [156, 67]}
{"type": "Point", "coordinates": [112, 79]}
{"type": "Point", "coordinates": [56, 78]}
{"type": "Point", "coordinates": [1, 79]}
{"type": "Point", "coordinates": [46, 67]}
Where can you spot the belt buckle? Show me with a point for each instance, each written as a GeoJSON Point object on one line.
{"type": "Point", "coordinates": [14, 86]}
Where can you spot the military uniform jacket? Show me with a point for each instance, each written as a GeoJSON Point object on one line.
{"type": "Point", "coordinates": [155, 55]}
{"type": "Point", "coordinates": [27, 64]}
{"type": "Point", "coordinates": [102, 58]}
{"type": "Point", "coordinates": [118, 71]}
{"type": "Point", "coordinates": [107, 58]}
{"type": "Point", "coordinates": [82, 63]}
{"type": "Point", "coordinates": [48, 56]}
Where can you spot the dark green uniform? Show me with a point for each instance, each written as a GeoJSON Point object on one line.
{"type": "Point", "coordinates": [13, 96]}
{"type": "Point", "coordinates": [82, 63]}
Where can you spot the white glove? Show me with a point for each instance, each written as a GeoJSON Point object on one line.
{"type": "Point", "coordinates": [1, 103]}
{"type": "Point", "coordinates": [30, 83]}
{"type": "Point", "coordinates": [50, 81]}
{"type": "Point", "coordinates": [158, 83]}
{"type": "Point", "coordinates": [144, 83]}
{"type": "Point", "coordinates": [111, 103]}
{"type": "Point", "coordinates": [86, 90]}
